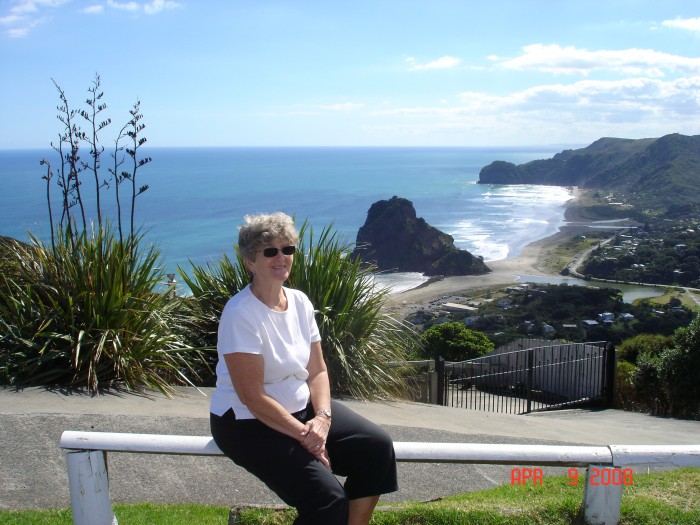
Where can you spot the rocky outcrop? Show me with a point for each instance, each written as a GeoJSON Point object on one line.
{"type": "Point", "coordinates": [394, 239]}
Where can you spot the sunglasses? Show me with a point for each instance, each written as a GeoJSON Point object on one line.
{"type": "Point", "coordinates": [272, 252]}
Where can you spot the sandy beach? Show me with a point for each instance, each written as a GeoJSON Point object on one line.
{"type": "Point", "coordinates": [534, 259]}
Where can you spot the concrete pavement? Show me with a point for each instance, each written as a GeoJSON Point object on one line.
{"type": "Point", "coordinates": [33, 469]}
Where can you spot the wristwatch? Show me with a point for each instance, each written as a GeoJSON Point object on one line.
{"type": "Point", "coordinates": [324, 412]}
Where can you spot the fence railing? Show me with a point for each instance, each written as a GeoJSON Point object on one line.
{"type": "Point", "coordinates": [89, 482]}
{"type": "Point", "coordinates": [537, 378]}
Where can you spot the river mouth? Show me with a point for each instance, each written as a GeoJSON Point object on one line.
{"type": "Point", "coordinates": [630, 292]}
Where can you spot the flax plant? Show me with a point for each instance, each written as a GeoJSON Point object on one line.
{"type": "Point", "coordinates": [211, 286]}
{"type": "Point", "coordinates": [363, 346]}
{"type": "Point", "coordinates": [85, 314]}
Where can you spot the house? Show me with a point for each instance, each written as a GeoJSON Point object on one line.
{"type": "Point", "coordinates": [677, 310]}
{"type": "Point", "coordinates": [606, 318]}
{"type": "Point", "coordinates": [547, 329]}
{"type": "Point", "coordinates": [626, 317]}
{"type": "Point", "coordinates": [456, 307]}
{"type": "Point", "coordinates": [589, 323]}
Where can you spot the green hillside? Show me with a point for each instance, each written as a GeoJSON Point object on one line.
{"type": "Point", "coordinates": [660, 176]}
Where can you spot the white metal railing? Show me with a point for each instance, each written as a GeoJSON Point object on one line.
{"type": "Point", "coordinates": [89, 483]}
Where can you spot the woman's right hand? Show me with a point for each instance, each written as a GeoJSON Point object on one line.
{"type": "Point", "coordinates": [313, 439]}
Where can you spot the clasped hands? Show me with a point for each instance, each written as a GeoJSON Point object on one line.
{"type": "Point", "coordinates": [313, 438]}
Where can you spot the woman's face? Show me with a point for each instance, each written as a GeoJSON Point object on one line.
{"type": "Point", "coordinates": [270, 263]}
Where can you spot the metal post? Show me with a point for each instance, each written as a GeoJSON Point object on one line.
{"type": "Point", "coordinates": [440, 369]}
{"type": "Point", "coordinates": [610, 374]}
{"type": "Point", "coordinates": [433, 387]}
{"type": "Point", "coordinates": [601, 496]}
{"type": "Point", "coordinates": [530, 371]}
{"type": "Point", "coordinates": [89, 488]}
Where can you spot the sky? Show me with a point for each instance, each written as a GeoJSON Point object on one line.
{"type": "Point", "coordinates": [355, 73]}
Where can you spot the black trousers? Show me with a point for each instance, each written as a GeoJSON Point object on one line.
{"type": "Point", "coordinates": [359, 450]}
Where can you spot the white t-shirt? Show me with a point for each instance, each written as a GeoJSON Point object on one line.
{"type": "Point", "coordinates": [283, 339]}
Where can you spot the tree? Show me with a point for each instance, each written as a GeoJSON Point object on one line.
{"type": "Point", "coordinates": [650, 344]}
{"type": "Point", "coordinates": [679, 368]}
{"type": "Point", "coordinates": [455, 342]}
{"type": "Point", "coordinates": [667, 383]}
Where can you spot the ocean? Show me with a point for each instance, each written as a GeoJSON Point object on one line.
{"type": "Point", "coordinates": [198, 196]}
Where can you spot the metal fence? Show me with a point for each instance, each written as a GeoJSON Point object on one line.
{"type": "Point", "coordinates": [531, 378]}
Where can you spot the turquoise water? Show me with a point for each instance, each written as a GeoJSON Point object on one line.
{"type": "Point", "coordinates": [198, 197]}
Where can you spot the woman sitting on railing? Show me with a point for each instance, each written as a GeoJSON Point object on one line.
{"type": "Point", "coordinates": [271, 412]}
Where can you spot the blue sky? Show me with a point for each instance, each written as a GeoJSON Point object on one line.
{"type": "Point", "coordinates": [360, 73]}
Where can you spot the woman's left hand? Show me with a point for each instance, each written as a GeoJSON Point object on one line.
{"type": "Point", "coordinates": [313, 438]}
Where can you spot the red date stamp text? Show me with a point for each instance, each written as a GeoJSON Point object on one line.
{"type": "Point", "coordinates": [597, 477]}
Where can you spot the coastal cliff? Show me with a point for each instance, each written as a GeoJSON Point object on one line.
{"type": "Point", "coordinates": [395, 239]}
{"type": "Point", "coordinates": [661, 174]}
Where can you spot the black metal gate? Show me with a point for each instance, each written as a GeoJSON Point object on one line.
{"type": "Point", "coordinates": [531, 379]}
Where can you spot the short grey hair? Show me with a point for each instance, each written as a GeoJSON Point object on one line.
{"type": "Point", "coordinates": [262, 229]}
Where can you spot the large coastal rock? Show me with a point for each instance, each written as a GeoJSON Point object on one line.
{"type": "Point", "coordinates": [394, 239]}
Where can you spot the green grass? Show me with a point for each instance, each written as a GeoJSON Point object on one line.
{"type": "Point", "coordinates": [685, 298]}
{"type": "Point", "coordinates": [671, 497]}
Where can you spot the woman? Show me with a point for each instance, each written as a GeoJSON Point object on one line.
{"type": "Point", "coordinates": [272, 412]}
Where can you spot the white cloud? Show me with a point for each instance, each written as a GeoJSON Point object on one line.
{"type": "Point", "coordinates": [10, 20]}
{"type": "Point", "coordinates": [124, 6]}
{"type": "Point", "coordinates": [571, 60]}
{"type": "Point", "coordinates": [595, 95]}
{"type": "Point", "coordinates": [25, 15]}
{"type": "Point", "coordinates": [445, 62]}
{"type": "Point", "coordinates": [33, 6]}
{"type": "Point", "coordinates": [690, 24]}
{"type": "Point", "coordinates": [93, 9]}
{"type": "Point", "coordinates": [556, 113]}
{"type": "Point", "coordinates": [22, 29]}
{"type": "Point", "coordinates": [156, 6]}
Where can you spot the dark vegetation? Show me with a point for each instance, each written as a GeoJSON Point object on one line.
{"type": "Point", "coordinates": [454, 342]}
{"type": "Point", "coordinates": [558, 312]}
{"type": "Point", "coordinates": [665, 253]}
{"type": "Point", "coordinates": [659, 374]}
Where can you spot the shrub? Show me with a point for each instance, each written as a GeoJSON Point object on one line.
{"type": "Point", "coordinates": [84, 313]}
{"type": "Point", "coordinates": [625, 393]}
{"type": "Point", "coordinates": [679, 369]}
{"type": "Point", "coordinates": [455, 342]}
{"type": "Point", "coordinates": [648, 384]}
{"type": "Point", "coordinates": [666, 383]}
{"type": "Point", "coordinates": [651, 344]}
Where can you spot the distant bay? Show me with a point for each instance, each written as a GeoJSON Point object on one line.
{"type": "Point", "coordinates": [198, 196]}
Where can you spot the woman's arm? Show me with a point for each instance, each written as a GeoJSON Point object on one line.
{"type": "Point", "coordinates": [319, 384]}
{"type": "Point", "coordinates": [316, 429]}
